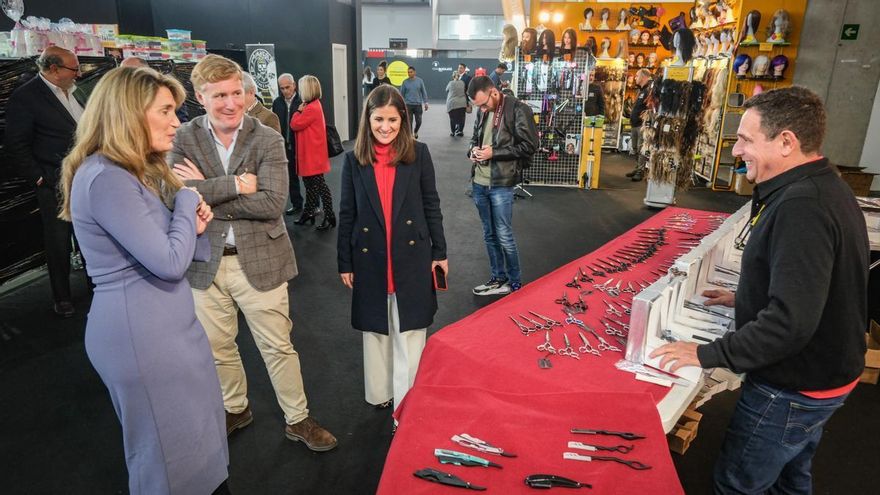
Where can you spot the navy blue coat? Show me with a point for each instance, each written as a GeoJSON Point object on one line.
{"type": "Point", "coordinates": [417, 240]}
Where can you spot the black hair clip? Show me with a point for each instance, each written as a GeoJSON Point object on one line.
{"type": "Point", "coordinates": [547, 481]}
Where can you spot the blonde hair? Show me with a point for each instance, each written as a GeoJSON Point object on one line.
{"type": "Point", "coordinates": [309, 88]}
{"type": "Point", "coordinates": [114, 125]}
{"type": "Point", "coordinates": [213, 68]}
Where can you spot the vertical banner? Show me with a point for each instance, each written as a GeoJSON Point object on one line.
{"type": "Point", "coordinates": [261, 65]}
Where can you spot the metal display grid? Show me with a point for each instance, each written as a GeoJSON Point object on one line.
{"type": "Point", "coordinates": [555, 91]}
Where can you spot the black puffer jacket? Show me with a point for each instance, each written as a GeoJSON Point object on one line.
{"type": "Point", "coordinates": [514, 141]}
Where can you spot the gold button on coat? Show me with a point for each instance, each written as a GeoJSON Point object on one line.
{"type": "Point", "coordinates": [409, 222]}
{"type": "Point", "coordinates": [412, 243]}
{"type": "Point", "coordinates": [364, 250]}
{"type": "Point", "coordinates": [366, 229]}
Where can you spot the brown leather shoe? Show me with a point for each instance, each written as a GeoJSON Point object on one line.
{"type": "Point", "coordinates": [312, 434]}
{"type": "Point", "coordinates": [238, 421]}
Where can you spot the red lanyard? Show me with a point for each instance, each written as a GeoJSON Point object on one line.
{"type": "Point", "coordinates": [499, 112]}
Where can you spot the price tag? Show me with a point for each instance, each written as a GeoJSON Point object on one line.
{"type": "Point", "coordinates": [678, 73]}
{"type": "Point", "coordinates": [765, 47]}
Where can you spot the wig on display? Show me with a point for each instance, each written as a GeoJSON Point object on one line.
{"type": "Point", "coordinates": [592, 46]}
{"type": "Point", "coordinates": [569, 42]}
{"type": "Point", "coordinates": [741, 59]}
{"type": "Point", "coordinates": [529, 41]}
{"type": "Point", "coordinates": [546, 45]}
{"type": "Point", "coordinates": [508, 46]}
{"type": "Point", "coordinates": [779, 27]}
{"type": "Point", "coordinates": [778, 65]}
{"type": "Point", "coordinates": [750, 29]}
{"type": "Point", "coordinates": [686, 44]}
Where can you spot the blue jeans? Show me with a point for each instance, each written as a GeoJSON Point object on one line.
{"type": "Point", "coordinates": [495, 205]}
{"type": "Point", "coordinates": [771, 440]}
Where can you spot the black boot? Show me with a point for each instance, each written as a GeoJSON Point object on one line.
{"type": "Point", "coordinates": [305, 219]}
{"type": "Point", "coordinates": [327, 224]}
{"type": "Point", "coordinates": [638, 175]}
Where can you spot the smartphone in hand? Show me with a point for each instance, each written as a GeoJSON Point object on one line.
{"type": "Point", "coordinates": [439, 278]}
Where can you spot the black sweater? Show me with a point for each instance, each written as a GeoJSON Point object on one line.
{"type": "Point", "coordinates": [801, 304]}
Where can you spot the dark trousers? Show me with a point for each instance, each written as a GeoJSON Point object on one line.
{"type": "Point", "coordinates": [56, 242]}
{"type": "Point", "coordinates": [316, 188]}
{"type": "Point", "coordinates": [296, 199]}
{"type": "Point", "coordinates": [456, 120]}
{"type": "Point", "coordinates": [415, 116]}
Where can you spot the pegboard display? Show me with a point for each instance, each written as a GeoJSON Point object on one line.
{"type": "Point", "coordinates": [555, 90]}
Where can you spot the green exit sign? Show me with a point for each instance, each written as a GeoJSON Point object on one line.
{"type": "Point", "coordinates": [850, 32]}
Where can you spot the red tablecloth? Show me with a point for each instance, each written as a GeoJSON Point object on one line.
{"type": "Point", "coordinates": [487, 352]}
{"type": "Point", "coordinates": [535, 427]}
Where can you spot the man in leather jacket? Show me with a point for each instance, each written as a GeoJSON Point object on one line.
{"type": "Point", "coordinates": [504, 139]}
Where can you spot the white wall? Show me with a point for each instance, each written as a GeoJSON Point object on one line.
{"type": "Point", "coordinates": [871, 151]}
{"type": "Point", "coordinates": [419, 25]}
{"type": "Point", "coordinates": [380, 22]}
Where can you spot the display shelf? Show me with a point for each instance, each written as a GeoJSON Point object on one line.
{"type": "Point", "coordinates": [760, 78]}
{"type": "Point", "coordinates": [645, 46]}
{"type": "Point", "coordinates": [765, 43]}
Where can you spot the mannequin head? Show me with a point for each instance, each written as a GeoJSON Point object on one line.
{"type": "Point", "coordinates": [588, 14]}
{"type": "Point", "coordinates": [631, 59]}
{"type": "Point", "coordinates": [529, 40]}
{"type": "Point", "coordinates": [652, 59]}
{"type": "Point", "coordinates": [655, 38]}
{"type": "Point", "coordinates": [547, 44]}
{"type": "Point", "coordinates": [779, 27]}
{"type": "Point", "coordinates": [508, 46]}
{"type": "Point", "coordinates": [685, 42]}
{"type": "Point", "coordinates": [760, 66]}
{"type": "Point", "coordinates": [606, 43]}
{"type": "Point", "coordinates": [640, 60]}
{"type": "Point", "coordinates": [605, 14]}
{"type": "Point", "coordinates": [753, 20]}
{"type": "Point", "coordinates": [645, 37]}
{"type": "Point", "coordinates": [778, 65]}
{"type": "Point", "coordinates": [693, 15]}
{"type": "Point", "coordinates": [634, 36]}
{"type": "Point", "coordinates": [741, 65]}
{"type": "Point", "coordinates": [569, 40]}
{"type": "Point", "coordinates": [591, 45]}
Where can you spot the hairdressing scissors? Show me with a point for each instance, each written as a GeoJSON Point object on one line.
{"type": "Point", "coordinates": [567, 351]}
{"type": "Point", "coordinates": [587, 348]}
{"type": "Point", "coordinates": [522, 328]}
{"type": "Point", "coordinates": [547, 346]}
{"type": "Point", "coordinates": [537, 325]}
{"type": "Point", "coordinates": [549, 321]}
{"type": "Point", "coordinates": [611, 309]}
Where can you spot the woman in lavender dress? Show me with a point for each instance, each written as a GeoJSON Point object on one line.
{"type": "Point", "coordinates": [142, 334]}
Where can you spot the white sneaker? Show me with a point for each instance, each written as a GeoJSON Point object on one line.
{"type": "Point", "coordinates": [492, 287]}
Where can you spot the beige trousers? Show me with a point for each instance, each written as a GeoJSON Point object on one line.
{"type": "Point", "coordinates": [266, 314]}
{"type": "Point", "coordinates": [391, 361]}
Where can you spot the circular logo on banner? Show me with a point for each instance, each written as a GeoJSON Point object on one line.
{"type": "Point", "coordinates": [259, 67]}
{"type": "Point", "coordinates": [396, 71]}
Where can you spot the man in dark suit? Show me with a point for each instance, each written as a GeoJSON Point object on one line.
{"type": "Point", "coordinates": [287, 100]}
{"type": "Point", "coordinates": [43, 114]}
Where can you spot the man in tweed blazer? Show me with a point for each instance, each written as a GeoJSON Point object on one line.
{"type": "Point", "coordinates": [240, 168]}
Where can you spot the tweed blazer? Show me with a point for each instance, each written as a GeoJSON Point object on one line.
{"type": "Point", "coordinates": [264, 248]}
{"type": "Point", "coordinates": [266, 117]}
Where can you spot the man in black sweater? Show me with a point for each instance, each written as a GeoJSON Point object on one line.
{"type": "Point", "coordinates": [801, 304]}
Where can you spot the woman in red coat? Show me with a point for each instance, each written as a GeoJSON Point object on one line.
{"type": "Point", "coordinates": [311, 152]}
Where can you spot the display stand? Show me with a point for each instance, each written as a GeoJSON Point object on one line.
{"type": "Point", "coordinates": [661, 190]}
{"type": "Point", "coordinates": [611, 74]}
{"type": "Point", "coordinates": [555, 91]}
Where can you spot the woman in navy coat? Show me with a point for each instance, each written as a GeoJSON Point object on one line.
{"type": "Point", "coordinates": [390, 240]}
